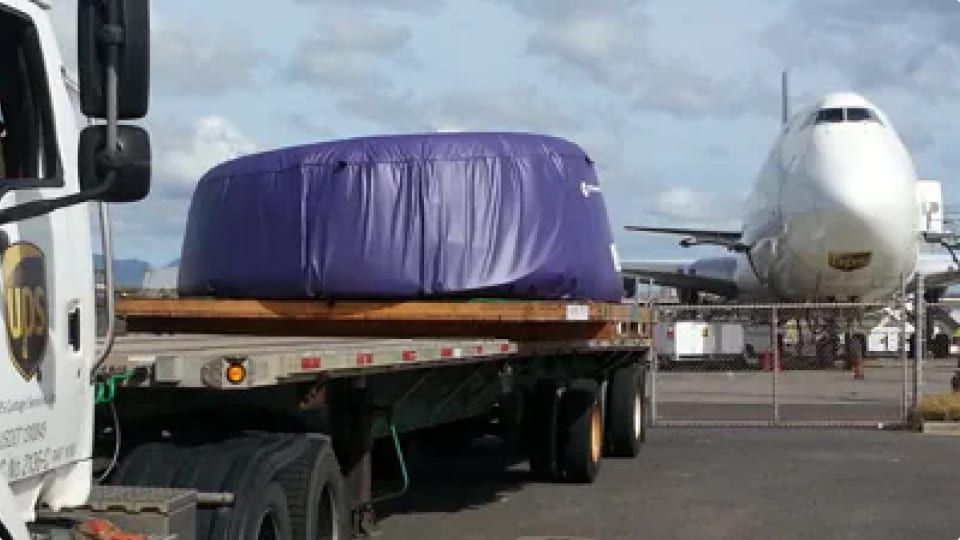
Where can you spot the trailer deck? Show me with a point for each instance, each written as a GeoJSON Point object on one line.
{"type": "Point", "coordinates": [190, 342]}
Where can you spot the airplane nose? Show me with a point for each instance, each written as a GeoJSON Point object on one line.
{"type": "Point", "coordinates": [861, 175]}
{"type": "Point", "coordinates": [854, 200]}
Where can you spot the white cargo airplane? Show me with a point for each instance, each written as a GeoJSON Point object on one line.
{"type": "Point", "coordinates": [835, 216]}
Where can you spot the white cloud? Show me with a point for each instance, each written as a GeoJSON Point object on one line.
{"type": "Point", "coordinates": [520, 108]}
{"type": "Point", "coordinates": [184, 157]}
{"type": "Point", "coordinates": [203, 61]}
{"type": "Point", "coordinates": [347, 55]}
{"type": "Point", "coordinates": [609, 44]}
{"type": "Point", "coordinates": [875, 44]}
{"type": "Point", "coordinates": [186, 58]}
{"type": "Point", "coordinates": [683, 206]}
{"type": "Point", "coordinates": [416, 6]}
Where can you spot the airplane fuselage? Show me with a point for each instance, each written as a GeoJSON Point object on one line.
{"type": "Point", "coordinates": [832, 215]}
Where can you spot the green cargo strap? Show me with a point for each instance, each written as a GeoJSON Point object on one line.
{"type": "Point", "coordinates": [405, 475]}
{"type": "Point", "coordinates": [107, 390]}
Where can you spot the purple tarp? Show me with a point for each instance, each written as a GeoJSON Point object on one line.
{"type": "Point", "coordinates": [406, 216]}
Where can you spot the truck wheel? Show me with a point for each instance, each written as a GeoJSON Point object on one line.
{"type": "Point", "coordinates": [542, 419]}
{"type": "Point", "coordinates": [626, 420]}
{"type": "Point", "coordinates": [581, 431]}
{"type": "Point", "coordinates": [249, 467]}
{"type": "Point", "coordinates": [319, 509]}
{"type": "Point", "coordinates": [269, 518]}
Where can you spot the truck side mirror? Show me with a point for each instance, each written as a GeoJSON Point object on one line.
{"type": "Point", "coordinates": [132, 181]}
{"type": "Point", "coordinates": [132, 37]}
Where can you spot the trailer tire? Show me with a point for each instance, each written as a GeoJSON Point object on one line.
{"type": "Point", "coordinates": [319, 507]}
{"type": "Point", "coordinates": [626, 414]}
{"type": "Point", "coordinates": [542, 421]}
{"type": "Point", "coordinates": [581, 431]}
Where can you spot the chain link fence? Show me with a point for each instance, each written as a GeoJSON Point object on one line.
{"type": "Point", "coordinates": [784, 364]}
{"type": "Point", "coordinates": [939, 371]}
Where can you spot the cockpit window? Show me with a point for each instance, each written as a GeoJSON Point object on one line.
{"type": "Point", "coordinates": [825, 116]}
{"type": "Point", "coordinates": [836, 115]}
{"type": "Point", "coordinates": [861, 115]}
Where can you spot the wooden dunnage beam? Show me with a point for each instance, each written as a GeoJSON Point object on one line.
{"type": "Point", "coordinates": [519, 320]}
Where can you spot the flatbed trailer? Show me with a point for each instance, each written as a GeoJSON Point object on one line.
{"type": "Point", "coordinates": [277, 388]}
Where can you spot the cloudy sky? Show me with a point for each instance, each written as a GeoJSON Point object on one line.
{"type": "Point", "coordinates": [676, 101]}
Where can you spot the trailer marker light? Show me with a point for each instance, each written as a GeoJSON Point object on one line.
{"type": "Point", "coordinates": [409, 356]}
{"type": "Point", "coordinates": [364, 359]}
{"type": "Point", "coordinates": [446, 352]}
{"type": "Point", "coordinates": [236, 373]}
{"type": "Point", "coordinates": [310, 362]}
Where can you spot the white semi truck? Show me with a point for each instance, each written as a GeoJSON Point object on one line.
{"type": "Point", "coordinates": [266, 428]}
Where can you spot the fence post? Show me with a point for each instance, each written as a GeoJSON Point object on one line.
{"type": "Point", "coordinates": [654, 357]}
{"type": "Point", "coordinates": [904, 356]}
{"type": "Point", "coordinates": [919, 338]}
{"type": "Point", "coordinates": [775, 338]}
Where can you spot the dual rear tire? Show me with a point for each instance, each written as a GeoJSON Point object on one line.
{"type": "Point", "coordinates": [304, 498]}
{"type": "Point", "coordinates": [626, 421]}
{"type": "Point", "coordinates": [570, 428]}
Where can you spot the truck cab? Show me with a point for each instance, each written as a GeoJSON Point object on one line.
{"type": "Point", "coordinates": [49, 348]}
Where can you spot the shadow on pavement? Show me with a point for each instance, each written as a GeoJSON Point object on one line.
{"type": "Point", "coordinates": [484, 472]}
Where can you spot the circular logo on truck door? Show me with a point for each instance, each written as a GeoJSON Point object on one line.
{"type": "Point", "coordinates": [25, 306]}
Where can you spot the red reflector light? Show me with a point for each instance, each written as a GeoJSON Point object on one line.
{"type": "Point", "coordinates": [446, 352]}
{"type": "Point", "coordinates": [310, 362]}
{"type": "Point", "coordinates": [409, 356]}
{"type": "Point", "coordinates": [364, 359]}
{"type": "Point", "coordinates": [479, 349]}
{"type": "Point", "coordinates": [505, 348]}
{"type": "Point", "coordinates": [670, 333]}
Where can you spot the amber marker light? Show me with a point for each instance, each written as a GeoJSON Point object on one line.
{"type": "Point", "coordinates": [236, 373]}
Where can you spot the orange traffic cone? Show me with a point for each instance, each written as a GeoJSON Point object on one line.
{"type": "Point", "coordinates": [858, 369]}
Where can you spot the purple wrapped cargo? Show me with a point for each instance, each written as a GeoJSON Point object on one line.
{"type": "Point", "coordinates": [435, 215]}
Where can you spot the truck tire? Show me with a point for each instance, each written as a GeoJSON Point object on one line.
{"type": "Point", "coordinates": [318, 503]}
{"type": "Point", "coordinates": [268, 518]}
{"type": "Point", "coordinates": [625, 420]}
{"type": "Point", "coordinates": [245, 466]}
{"type": "Point", "coordinates": [581, 421]}
{"type": "Point", "coordinates": [542, 421]}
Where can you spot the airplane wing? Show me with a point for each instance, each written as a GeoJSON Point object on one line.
{"type": "Point", "coordinates": [729, 239]}
{"type": "Point", "coordinates": [677, 274]}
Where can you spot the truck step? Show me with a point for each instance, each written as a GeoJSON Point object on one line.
{"type": "Point", "coordinates": [155, 512]}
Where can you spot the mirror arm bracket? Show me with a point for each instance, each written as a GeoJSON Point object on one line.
{"type": "Point", "coordinates": [44, 206]}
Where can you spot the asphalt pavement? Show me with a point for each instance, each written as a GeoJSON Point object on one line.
{"type": "Point", "coordinates": [708, 483]}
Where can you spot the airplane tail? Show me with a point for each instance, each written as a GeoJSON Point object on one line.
{"type": "Point", "coordinates": [784, 98]}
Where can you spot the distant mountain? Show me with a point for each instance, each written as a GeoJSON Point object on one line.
{"type": "Point", "coordinates": [126, 272]}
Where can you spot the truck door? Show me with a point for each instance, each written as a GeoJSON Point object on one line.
{"type": "Point", "coordinates": [46, 274]}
